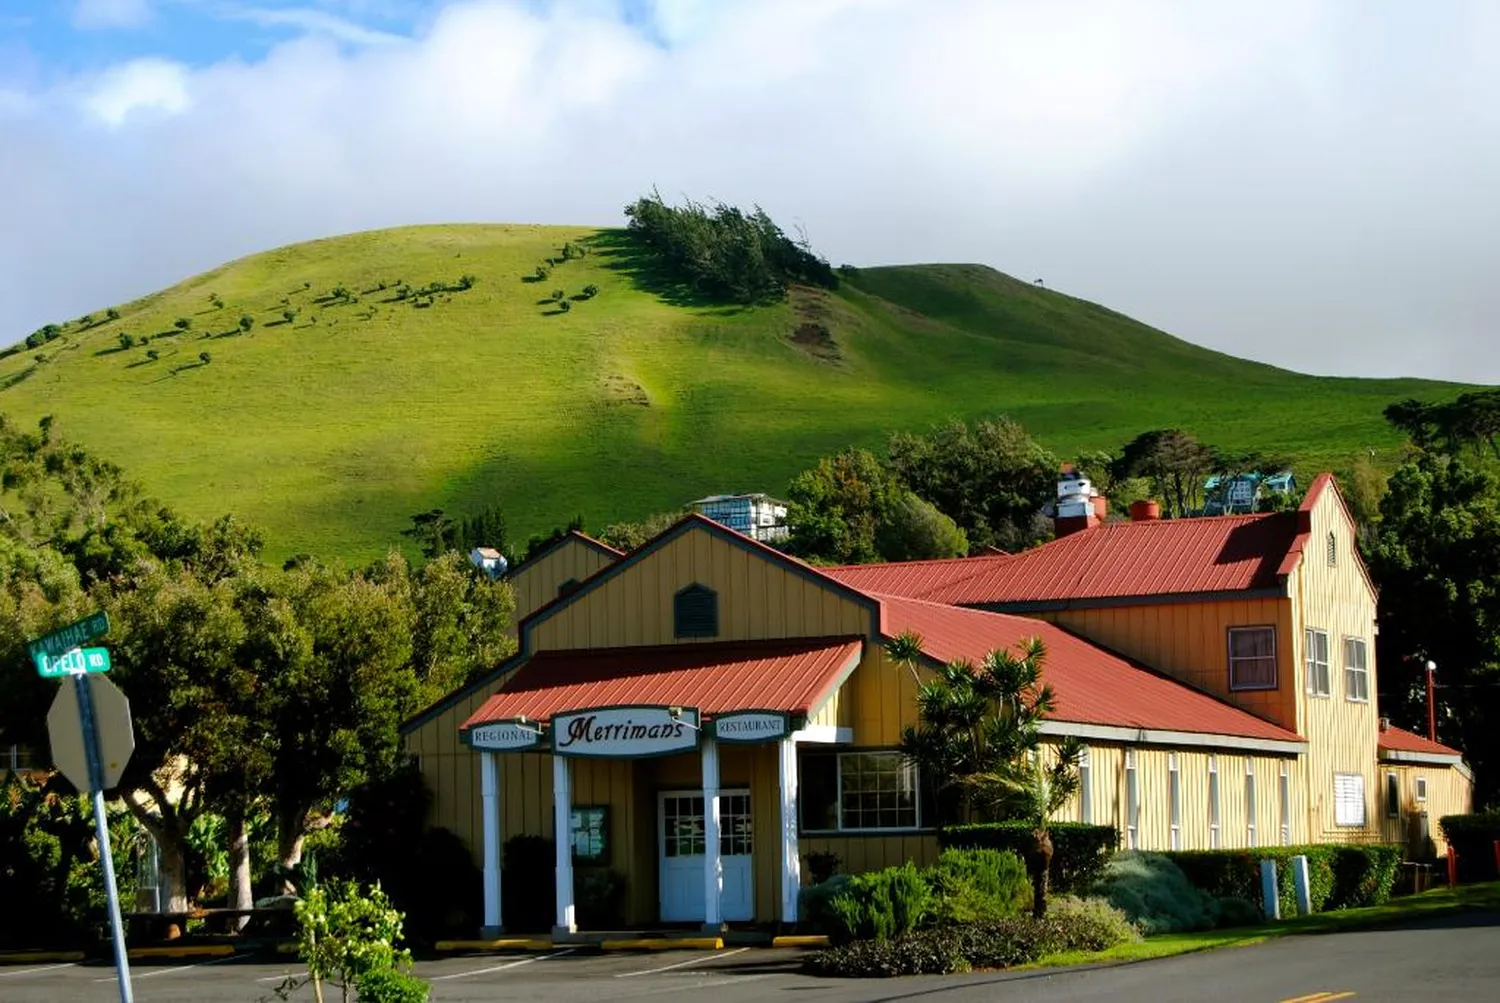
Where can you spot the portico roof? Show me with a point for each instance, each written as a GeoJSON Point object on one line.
{"type": "Point", "coordinates": [791, 676]}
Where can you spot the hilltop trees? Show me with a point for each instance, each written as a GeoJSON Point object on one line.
{"type": "Point", "coordinates": [724, 253]}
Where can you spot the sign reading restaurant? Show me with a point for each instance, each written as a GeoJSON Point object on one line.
{"type": "Point", "coordinates": [751, 726]}
{"type": "Point", "coordinates": [625, 732]}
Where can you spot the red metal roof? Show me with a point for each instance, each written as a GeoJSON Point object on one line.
{"type": "Point", "coordinates": [1393, 739]}
{"type": "Point", "coordinates": [792, 676]}
{"type": "Point", "coordinates": [1093, 686]}
{"type": "Point", "coordinates": [1166, 557]}
{"type": "Point", "coordinates": [912, 578]}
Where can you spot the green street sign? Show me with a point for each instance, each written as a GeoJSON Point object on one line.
{"type": "Point", "coordinates": [67, 638]}
{"type": "Point", "coordinates": [73, 662]}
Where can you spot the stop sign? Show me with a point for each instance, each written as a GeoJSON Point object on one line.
{"type": "Point", "coordinates": [111, 721]}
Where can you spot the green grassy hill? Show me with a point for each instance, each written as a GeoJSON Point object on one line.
{"type": "Point", "coordinates": [330, 430]}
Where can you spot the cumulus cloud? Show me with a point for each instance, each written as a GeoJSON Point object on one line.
{"type": "Point", "coordinates": [1311, 184]}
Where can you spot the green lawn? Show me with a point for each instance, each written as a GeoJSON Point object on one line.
{"type": "Point", "coordinates": [1410, 907]}
{"type": "Point", "coordinates": [330, 431]}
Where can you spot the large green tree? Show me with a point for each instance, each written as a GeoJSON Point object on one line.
{"type": "Point", "coordinates": [835, 509]}
{"type": "Point", "coordinates": [1174, 463]}
{"type": "Point", "coordinates": [992, 479]}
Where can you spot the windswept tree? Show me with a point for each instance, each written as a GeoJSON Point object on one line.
{"type": "Point", "coordinates": [978, 740]}
{"type": "Point", "coordinates": [1472, 421]}
{"type": "Point", "coordinates": [1174, 463]}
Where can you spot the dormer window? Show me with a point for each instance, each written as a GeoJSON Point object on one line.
{"type": "Point", "coordinates": [695, 612]}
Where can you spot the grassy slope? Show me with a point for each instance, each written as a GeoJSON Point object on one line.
{"type": "Point", "coordinates": [331, 431]}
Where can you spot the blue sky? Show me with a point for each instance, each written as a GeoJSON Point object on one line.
{"type": "Point", "coordinates": [1311, 183]}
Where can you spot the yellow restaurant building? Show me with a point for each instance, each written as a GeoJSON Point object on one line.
{"type": "Point", "coordinates": [702, 713]}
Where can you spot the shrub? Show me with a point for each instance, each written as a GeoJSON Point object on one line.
{"type": "Point", "coordinates": [977, 885]}
{"type": "Point", "coordinates": [182, 323]}
{"type": "Point", "coordinates": [391, 986]}
{"type": "Point", "coordinates": [246, 322]}
{"type": "Point", "coordinates": [87, 320]}
{"type": "Point", "coordinates": [929, 952]}
{"type": "Point", "coordinates": [822, 865]}
{"type": "Point", "coordinates": [1339, 876]}
{"type": "Point", "coordinates": [153, 354]}
{"type": "Point", "coordinates": [1364, 875]}
{"type": "Point", "coordinates": [559, 294]}
{"type": "Point", "coordinates": [1091, 924]}
{"type": "Point", "coordinates": [815, 902]}
{"type": "Point", "coordinates": [601, 898]}
{"type": "Point", "coordinates": [111, 314]}
{"type": "Point", "coordinates": [1079, 852]}
{"type": "Point", "coordinates": [541, 273]}
{"type": "Point", "coordinates": [127, 340]}
{"type": "Point", "coordinates": [346, 932]}
{"type": "Point", "coordinates": [1156, 894]}
{"type": "Point", "coordinates": [564, 306]}
{"type": "Point", "coordinates": [527, 884]}
{"type": "Point", "coordinates": [1473, 839]}
{"type": "Point", "coordinates": [880, 905]}
{"type": "Point", "coordinates": [590, 291]}
{"type": "Point", "coordinates": [205, 358]}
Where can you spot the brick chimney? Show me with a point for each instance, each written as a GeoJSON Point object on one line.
{"type": "Point", "coordinates": [1079, 506]}
{"type": "Point", "coordinates": [1145, 511]}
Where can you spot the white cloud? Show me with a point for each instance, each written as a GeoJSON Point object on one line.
{"type": "Point", "coordinates": [93, 14]}
{"type": "Point", "coordinates": [1303, 182]}
{"type": "Point", "coordinates": [139, 86]}
{"type": "Point", "coordinates": [312, 22]}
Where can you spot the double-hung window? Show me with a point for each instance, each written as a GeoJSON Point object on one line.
{"type": "Point", "coordinates": [1252, 658]}
{"type": "Point", "coordinates": [1085, 787]}
{"type": "Point", "coordinates": [1250, 802]}
{"type": "Point", "coordinates": [858, 792]}
{"type": "Point", "coordinates": [1392, 795]}
{"type": "Point", "coordinates": [1349, 799]}
{"type": "Point", "coordinates": [1174, 793]}
{"type": "Point", "coordinates": [1132, 803]}
{"type": "Point", "coordinates": [1356, 672]}
{"type": "Point", "coordinates": [1315, 659]}
{"type": "Point", "coordinates": [1284, 801]}
{"type": "Point", "coordinates": [1422, 789]}
{"type": "Point", "coordinates": [1213, 802]}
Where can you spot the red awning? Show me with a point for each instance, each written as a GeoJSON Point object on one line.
{"type": "Point", "coordinates": [794, 677]}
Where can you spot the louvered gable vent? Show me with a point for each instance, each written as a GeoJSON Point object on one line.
{"type": "Point", "coordinates": [695, 612]}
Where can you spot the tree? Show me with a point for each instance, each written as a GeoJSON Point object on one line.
{"type": "Point", "coordinates": [432, 530]}
{"type": "Point", "coordinates": [835, 509]}
{"type": "Point", "coordinates": [913, 529]}
{"type": "Point", "coordinates": [630, 535]}
{"type": "Point", "coordinates": [152, 354]}
{"type": "Point", "coordinates": [246, 323]}
{"type": "Point", "coordinates": [978, 741]}
{"type": "Point", "coordinates": [205, 358]}
{"type": "Point", "coordinates": [126, 340]}
{"type": "Point", "coordinates": [289, 315]}
{"type": "Point", "coordinates": [991, 479]}
{"type": "Point", "coordinates": [486, 528]}
{"type": "Point", "coordinates": [182, 323]}
{"type": "Point", "coordinates": [1436, 560]}
{"type": "Point", "coordinates": [111, 314]}
{"type": "Point", "coordinates": [1176, 465]}
{"type": "Point", "coordinates": [1471, 421]}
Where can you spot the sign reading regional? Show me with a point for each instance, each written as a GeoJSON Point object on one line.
{"type": "Point", "coordinates": [751, 726]}
{"type": "Point", "coordinates": [504, 736]}
{"type": "Point", "coordinates": [623, 732]}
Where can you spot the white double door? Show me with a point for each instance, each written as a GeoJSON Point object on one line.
{"type": "Point", "coordinates": [682, 850]}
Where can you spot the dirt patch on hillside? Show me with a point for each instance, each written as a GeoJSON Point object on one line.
{"type": "Point", "coordinates": [812, 334]}
{"type": "Point", "coordinates": [620, 389]}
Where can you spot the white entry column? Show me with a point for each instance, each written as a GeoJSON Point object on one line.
{"type": "Point", "coordinates": [562, 837]}
{"type": "Point", "coordinates": [713, 863]}
{"type": "Point", "coordinates": [791, 858]}
{"type": "Point", "coordinates": [489, 790]}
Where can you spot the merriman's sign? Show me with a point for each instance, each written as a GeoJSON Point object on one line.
{"type": "Point", "coordinates": [623, 732]}
{"type": "Point", "coordinates": [504, 736]}
{"type": "Point", "coordinates": [751, 726]}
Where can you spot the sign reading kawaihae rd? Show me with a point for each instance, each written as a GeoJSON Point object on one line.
{"type": "Point", "coordinates": [65, 639]}
{"type": "Point", "coordinates": [73, 662]}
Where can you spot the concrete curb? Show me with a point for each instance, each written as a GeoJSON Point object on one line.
{"type": "Point", "coordinates": [664, 944]}
{"type": "Point", "coordinates": [33, 957]}
{"type": "Point", "coordinates": [185, 951]}
{"type": "Point", "coordinates": [805, 940]}
{"type": "Point", "coordinates": [503, 944]}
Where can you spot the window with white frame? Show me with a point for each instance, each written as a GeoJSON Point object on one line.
{"type": "Point", "coordinates": [1349, 799]}
{"type": "Point", "coordinates": [1252, 658]}
{"type": "Point", "coordinates": [857, 792]}
{"type": "Point", "coordinates": [1250, 802]}
{"type": "Point", "coordinates": [1174, 793]}
{"type": "Point", "coordinates": [1356, 673]}
{"type": "Point", "coordinates": [1392, 795]}
{"type": "Point", "coordinates": [1315, 659]}
{"type": "Point", "coordinates": [1213, 802]}
{"type": "Point", "coordinates": [1132, 803]}
{"type": "Point", "coordinates": [1085, 787]}
{"type": "Point", "coordinates": [1284, 801]}
{"type": "Point", "coordinates": [1421, 788]}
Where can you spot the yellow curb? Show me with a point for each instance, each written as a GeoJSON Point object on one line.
{"type": "Point", "coordinates": [665, 944]}
{"type": "Point", "coordinates": [505, 944]}
{"type": "Point", "coordinates": [806, 940]}
{"type": "Point", "coordinates": [286, 948]}
{"type": "Point", "coordinates": [186, 951]}
{"type": "Point", "coordinates": [26, 957]}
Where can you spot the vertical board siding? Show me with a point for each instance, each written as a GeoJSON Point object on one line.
{"type": "Point", "coordinates": [1190, 641]}
{"type": "Point", "coordinates": [1342, 734]}
{"type": "Point", "coordinates": [758, 600]}
{"type": "Point", "coordinates": [1449, 792]}
{"type": "Point", "coordinates": [535, 582]}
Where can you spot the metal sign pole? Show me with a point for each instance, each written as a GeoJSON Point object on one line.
{"type": "Point", "coordinates": [101, 827]}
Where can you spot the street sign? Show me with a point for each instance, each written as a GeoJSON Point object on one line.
{"type": "Point", "coordinates": [67, 638]}
{"type": "Point", "coordinates": [72, 662]}
{"type": "Point", "coordinates": [111, 713]}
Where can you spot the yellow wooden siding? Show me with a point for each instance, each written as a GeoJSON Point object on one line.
{"type": "Point", "coordinates": [1190, 641]}
{"type": "Point", "coordinates": [1341, 734]}
{"type": "Point", "coordinates": [858, 854]}
{"type": "Point", "coordinates": [882, 699]}
{"type": "Point", "coordinates": [758, 600]}
{"type": "Point", "coordinates": [837, 711]}
{"type": "Point", "coordinates": [535, 582]}
{"type": "Point", "coordinates": [1449, 792]}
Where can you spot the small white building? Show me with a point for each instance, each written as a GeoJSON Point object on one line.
{"type": "Point", "coordinates": [489, 560]}
{"type": "Point", "coordinates": [757, 516]}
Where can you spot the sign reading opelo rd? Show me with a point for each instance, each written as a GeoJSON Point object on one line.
{"type": "Point", "coordinates": [67, 638]}
{"type": "Point", "coordinates": [75, 661]}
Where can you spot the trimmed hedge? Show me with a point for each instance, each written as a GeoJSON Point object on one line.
{"type": "Point", "coordinates": [1079, 852]}
{"type": "Point", "coordinates": [1339, 876]}
{"type": "Point", "coordinates": [1473, 839]}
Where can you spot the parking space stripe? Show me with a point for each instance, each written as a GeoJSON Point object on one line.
{"type": "Point", "coordinates": [501, 968]}
{"type": "Point", "coordinates": [35, 971]}
{"type": "Point", "coordinates": [682, 964]}
{"type": "Point", "coordinates": [137, 975]}
{"type": "Point", "coordinates": [277, 978]}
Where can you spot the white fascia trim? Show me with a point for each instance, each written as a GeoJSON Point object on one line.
{"type": "Point", "coordinates": [1148, 736]}
{"type": "Point", "coordinates": [824, 734]}
{"type": "Point", "coordinates": [1429, 758]}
